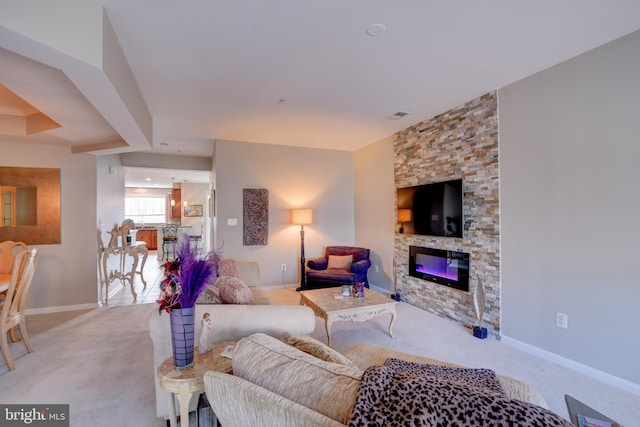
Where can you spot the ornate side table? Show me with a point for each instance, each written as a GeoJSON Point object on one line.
{"type": "Point", "coordinates": [185, 383]}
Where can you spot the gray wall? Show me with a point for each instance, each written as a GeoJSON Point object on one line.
{"type": "Point", "coordinates": [569, 176]}
{"type": "Point", "coordinates": [375, 212]}
{"type": "Point", "coordinates": [322, 180]}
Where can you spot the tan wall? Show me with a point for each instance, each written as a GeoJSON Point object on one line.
{"type": "Point", "coordinates": [66, 272]}
{"type": "Point", "coordinates": [322, 180]}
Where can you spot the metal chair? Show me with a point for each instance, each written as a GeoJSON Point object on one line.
{"type": "Point", "coordinates": [13, 308]}
{"type": "Point", "coordinates": [169, 240]}
{"type": "Point", "coordinates": [196, 239]}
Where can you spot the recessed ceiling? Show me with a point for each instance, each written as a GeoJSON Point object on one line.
{"type": "Point", "coordinates": [219, 69]}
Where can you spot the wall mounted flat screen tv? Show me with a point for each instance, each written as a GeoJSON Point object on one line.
{"type": "Point", "coordinates": [431, 209]}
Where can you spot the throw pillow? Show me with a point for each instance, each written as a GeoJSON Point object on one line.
{"type": "Point", "coordinates": [316, 348]}
{"type": "Point", "coordinates": [479, 379]}
{"type": "Point", "coordinates": [209, 296]}
{"type": "Point", "coordinates": [387, 397]}
{"type": "Point", "coordinates": [227, 267]}
{"type": "Point", "coordinates": [328, 388]}
{"type": "Point", "coordinates": [234, 291]}
{"type": "Point", "coordinates": [340, 261]}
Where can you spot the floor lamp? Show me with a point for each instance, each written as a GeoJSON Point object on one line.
{"type": "Point", "coordinates": [301, 217]}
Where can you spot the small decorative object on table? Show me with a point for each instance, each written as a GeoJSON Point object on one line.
{"type": "Point", "coordinates": [358, 290]}
{"type": "Point", "coordinates": [346, 291]}
{"type": "Point", "coordinates": [185, 278]}
{"type": "Point", "coordinates": [204, 342]}
{"type": "Point", "coordinates": [478, 303]}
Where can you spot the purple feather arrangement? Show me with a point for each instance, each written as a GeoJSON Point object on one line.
{"type": "Point", "coordinates": [186, 277]}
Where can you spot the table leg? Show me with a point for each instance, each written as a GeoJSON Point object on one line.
{"type": "Point", "coordinates": [145, 253]}
{"type": "Point", "coordinates": [393, 319]}
{"type": "Point", "coordinates": [184, 396]}
{"type": "Point", "coordinates": [327, 327]}
{"type": "Point", "coordinates": [134, 267]}
{"type": "Point", "coordinates": [172, 410]}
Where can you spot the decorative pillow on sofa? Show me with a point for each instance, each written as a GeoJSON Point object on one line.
{"type": "Point", "coordinates": [340, 261]}
{"type": "Point", "coordinates": [390, 397]}
{"type": "Point", "coordinates": [484, 380]}
{"type": "Point", "coordinates": [227, 267]}
{"type": "Point", "coordinates": [209, 296]}
{"type": "Point", "coordinates": [234, 291]}
{"type": "Point", "coordinates": [316, 348]}
{"type": "Point", "coordinates": [328, 388]}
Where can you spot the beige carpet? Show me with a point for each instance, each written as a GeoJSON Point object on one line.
{"type": "Point", "coordinates": [426, 334]}
{"type": "Point", "coordinates": [100, 363]}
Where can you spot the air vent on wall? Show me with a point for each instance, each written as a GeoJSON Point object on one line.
{"type": "Point", "coordinates": [397, 116]}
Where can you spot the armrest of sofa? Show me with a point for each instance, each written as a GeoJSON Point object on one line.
{"type": "Point", "coordinates": [229, 322]}
{"type": "Point", "coordinates": [360, 266]}
{"type": "Point", "coordinates": [319, 263]}
{"type": "Point", "coordinates": [240, 403]}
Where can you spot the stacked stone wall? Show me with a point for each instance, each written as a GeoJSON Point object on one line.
{"type": "Point", "coordinates": [461, 143]}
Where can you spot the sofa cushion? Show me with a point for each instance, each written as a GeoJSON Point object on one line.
{"type": "Point", "coordinates": [325, 387]}
{"type": "Point", "coordinates": [210, 295]}
{"type": "Point", "coordinates": [340, 261]}
{"type": "Point", "coordinates": [482, 380]}
{"type": "Point", "coordinates": [389, 397]}
{"type": "Point", "coordinates": [316, 348]}
{"type": "Point", "coordinates": [227, 267]}
{"type": "Point", "coordinates": [234, 291]}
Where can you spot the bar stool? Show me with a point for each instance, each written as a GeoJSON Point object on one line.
{"type": "Point", "coordinates": [196, 239]}
{"type": "Point", "coordinates": [169, 240]}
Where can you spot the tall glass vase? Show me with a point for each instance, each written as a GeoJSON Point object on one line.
{"type": "Point", "coordinates": [182, 336]}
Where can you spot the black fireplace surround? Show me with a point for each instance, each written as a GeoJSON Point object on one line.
{"type": "Point", "coordinates": [448, 268]}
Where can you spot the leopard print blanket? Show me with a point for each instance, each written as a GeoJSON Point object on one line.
{"type": "Point", "coordinates": [410, 394]}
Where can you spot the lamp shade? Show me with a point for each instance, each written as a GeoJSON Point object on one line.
{"type": "Point", "coordinates": [301, 216]}
{"type": "Point", "coordinates": [404, 215]}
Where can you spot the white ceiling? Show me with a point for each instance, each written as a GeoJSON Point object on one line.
{"type": "Point", "coordinates": [306, 73]}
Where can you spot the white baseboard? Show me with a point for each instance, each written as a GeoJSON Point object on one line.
{"type": "Point", "coordinates": [576, 366]}
{"type": "Point", "coordinates": [59, 309]}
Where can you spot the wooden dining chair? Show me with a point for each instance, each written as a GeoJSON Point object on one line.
{"type": "Point", "coordinates": [14, 305]}
{"type": "Point", "coordinates": [8, 251]}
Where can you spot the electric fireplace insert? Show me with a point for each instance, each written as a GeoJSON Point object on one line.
{"type": "Point", "coordinates": [448, 268]}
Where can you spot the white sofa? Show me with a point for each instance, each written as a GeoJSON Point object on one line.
{"type": "Point", "coordinates": [275, 384]}
{"type": "Point", "coordinates": [230, 322]}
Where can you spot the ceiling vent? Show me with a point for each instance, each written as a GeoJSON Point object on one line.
{"type": "Point", "coordinates": [397, 116]}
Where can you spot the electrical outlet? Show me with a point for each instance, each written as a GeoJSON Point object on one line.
{"type": "Point", "coordinates": [283, 267]}
{"type": "Point", "coordinates": [377, 270]}
{"type": "Point", "coordinates": [562, 320]}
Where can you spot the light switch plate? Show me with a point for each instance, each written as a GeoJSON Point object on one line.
{"type": "Point", "coordinates": [232, 221]}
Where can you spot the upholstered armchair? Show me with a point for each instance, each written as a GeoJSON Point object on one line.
{"type": "Point", "coordinates": [340, 265]}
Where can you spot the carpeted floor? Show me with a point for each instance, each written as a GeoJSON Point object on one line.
{"type": "Point", "coordinates": [100, 362]}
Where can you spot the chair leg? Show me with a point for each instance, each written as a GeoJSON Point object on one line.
{"type": "Point", "coordinates": [13, 336]}
{"type": "Point", "coordinates": [25, 335]}
{"type": "Point", "coordinates": [5, 351]}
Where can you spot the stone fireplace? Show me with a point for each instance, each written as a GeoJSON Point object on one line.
{"type": "Point", "coordinates": [460, 143]}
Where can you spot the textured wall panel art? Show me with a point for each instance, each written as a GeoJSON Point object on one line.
{"type": "Point", "coordinates": [255, 216]}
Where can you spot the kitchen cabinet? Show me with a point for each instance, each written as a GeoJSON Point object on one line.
{"type": "Point", "coordinates": [149, 237]}
{"type": "Point", "coordinates": [176, 196]}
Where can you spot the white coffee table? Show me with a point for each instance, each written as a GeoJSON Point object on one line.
{"type": "Point", "coordinates": [326, 306]}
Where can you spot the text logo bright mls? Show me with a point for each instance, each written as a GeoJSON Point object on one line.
{"type": "Point", "coordinates": [34, 415]}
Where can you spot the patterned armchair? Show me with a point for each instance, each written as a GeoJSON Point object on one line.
{"type": "Point", "coordinates": [340, 265]}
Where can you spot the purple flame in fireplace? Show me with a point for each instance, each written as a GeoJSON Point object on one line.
{"type": "Point", "coordinates": [437, 266]}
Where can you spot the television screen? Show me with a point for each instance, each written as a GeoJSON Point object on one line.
{"type": "Point", "coordinates": [431, 209]}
